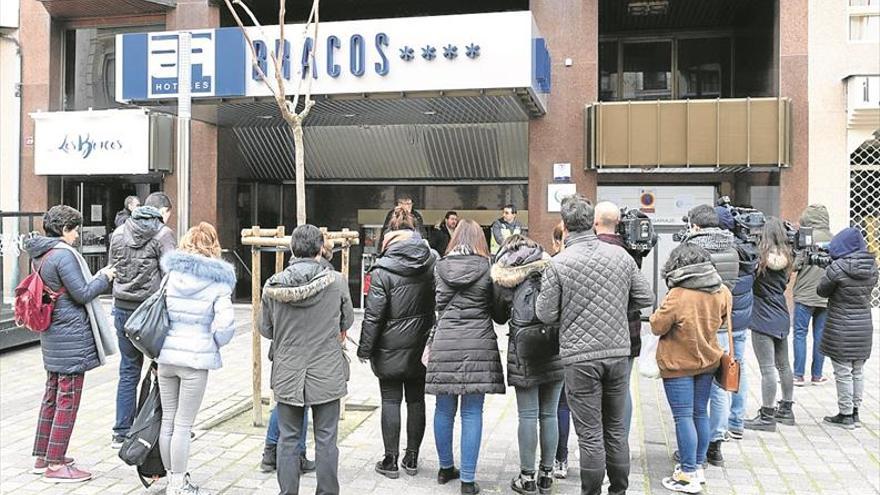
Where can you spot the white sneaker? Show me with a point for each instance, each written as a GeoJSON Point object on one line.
{"type": "Point", "coordinates": [682, 482]}
{"type": "Point", "coordinates": [560, 469]}
{"type": "Point", "coordinates": [699, 474]}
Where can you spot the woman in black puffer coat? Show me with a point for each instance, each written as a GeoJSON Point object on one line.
{"type": "Point", "coordinates": [464, 361]}
{"type": "Point", "coordinates": [847, 339]}
{"type": "Point", "coordinates": [536, 377]}
{"type": "Point", "coordinates": [398, 316]}
{"type": "Point", "coordinates": [68, 346]}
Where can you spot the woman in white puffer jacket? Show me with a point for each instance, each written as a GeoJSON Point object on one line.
{"type": "Point", "coordinates": [199, 300]}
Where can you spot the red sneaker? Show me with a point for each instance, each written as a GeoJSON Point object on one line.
{"type": "Point", "coordinates": [67, 473]}
{"type": "Point", "coordinates": [819, 380]}
{"type": "Point", "coordinates": [40, 464]}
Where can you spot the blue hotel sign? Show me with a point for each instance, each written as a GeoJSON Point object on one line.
{"type": "Point", "coordinates": [463, 52]}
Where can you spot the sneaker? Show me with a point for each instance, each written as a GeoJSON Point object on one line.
{"type": "Point", "coordinates": [305, 465]}
{"type": "Point", "coordinates": [682, 482]}
{"type": "Point", "coordinates": [67, 473]}
{"type": "Point", "coordinates": [799, 381]}
{"type": "Point", "coordinates": [445, 475]}
{"type": "Point", "coordinates": [116, 442]}
{"type": "Point", "coordinates": [700, 476]}
{"type": "Point", "coordinates": [40, 464]}
{"type": "Point", "coordinates": [819, 380]}
{"type": "Point", "coordinates": [524, 483]}
{"type": "Point", "coordinates": [844, 421]}
{"type": "Point", "coordinates": [545, 480]}
{"type": "Point", "coordinates": [187, 488]}
{"type": "Point", "coordinates": [733, 434]}
{"type": "Point", "coordinates": [560, 469]}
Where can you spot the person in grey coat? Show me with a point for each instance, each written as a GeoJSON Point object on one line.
{"type": "Point", "coordinates": [68, 346]}
{"type": "Point", "coordinates": [198, 297]}
{"type": "Point", "coordinates": [588, 289]}
{"type": "Point", "coordinates": [306, 309]}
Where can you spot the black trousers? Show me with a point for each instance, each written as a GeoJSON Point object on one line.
{"type": "Point", "coordinates": [325, 420]}
{"type": "Point", "coordinates": [392, 395]}
{"type": "Point", "coordinates": [597, 393]}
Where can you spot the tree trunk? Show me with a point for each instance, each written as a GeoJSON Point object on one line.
{"type": "Point", "coordinates": [299, 152]}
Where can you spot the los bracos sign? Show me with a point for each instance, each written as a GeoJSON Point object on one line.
{"type": "Point", "coordinates": [91, 142]}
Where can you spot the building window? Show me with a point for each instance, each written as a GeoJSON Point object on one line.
{"type": "Point", "coordinates": [864, 20]}
{"type": "Point", "coordinates": [608, 74]}
{"type": "Point", "coordinates": [704, 68]}
{"type": "Point", "coordinates": [90, 66]}
{"type": "Point", "coordinates": [647, 71]}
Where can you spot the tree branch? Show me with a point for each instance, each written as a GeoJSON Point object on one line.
{"type": "Point", "coordinates": [250, 43]}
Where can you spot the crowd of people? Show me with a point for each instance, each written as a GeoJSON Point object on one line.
{"type": "Point", "coordinates": [573, 317]}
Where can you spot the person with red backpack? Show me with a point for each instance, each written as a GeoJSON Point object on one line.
{"type": "Point", "coordinates": [71, 344]}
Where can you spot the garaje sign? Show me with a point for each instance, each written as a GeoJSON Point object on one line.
{"type": "Point", "coordinates": [91, 142]}
{"type": "Point", "coordinates": [439, 53]}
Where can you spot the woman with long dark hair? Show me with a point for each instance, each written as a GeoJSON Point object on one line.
{"type": "Point", "coordinates": [770, 327]}
{"type": "Point", "coordinates": [464, 362]}
{"type": "Point", "coordinates": [398, 316]}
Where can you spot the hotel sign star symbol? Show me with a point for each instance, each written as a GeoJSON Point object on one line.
{"type": "Point", "coordinates": [429, 53]}
{"type": "Point", "coordinates": [472, 51]}
{"type": "Point", "coordinates": [407, 53]}
{"type": "Point", "coordinates": [450, 51]}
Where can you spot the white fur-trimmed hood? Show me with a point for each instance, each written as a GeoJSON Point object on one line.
{"type": "Point", "coordinates": [198, 266]}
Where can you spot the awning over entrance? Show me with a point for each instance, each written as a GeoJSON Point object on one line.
{"type": "Point", "coordinates": [64, 9]}
{"type": "Point", "coordinates": [443, 97]}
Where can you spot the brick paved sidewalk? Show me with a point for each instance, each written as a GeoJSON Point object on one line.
{"type": "Point", "coordinates": [806, 459]}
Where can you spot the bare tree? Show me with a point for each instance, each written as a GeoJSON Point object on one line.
{"type": "Point", "coordinates": [286, 105]}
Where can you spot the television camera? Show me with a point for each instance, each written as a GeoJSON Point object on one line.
{"type": "Point", "coordinates": [637, 231]}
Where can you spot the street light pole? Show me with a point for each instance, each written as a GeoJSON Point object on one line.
{"type": "Point", "coordinates": [184, 114]}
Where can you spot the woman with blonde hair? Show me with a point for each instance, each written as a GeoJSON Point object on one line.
{"type": "Point", "coordinates": [198, 295]}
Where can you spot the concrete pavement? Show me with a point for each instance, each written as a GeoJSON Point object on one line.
{"type": "Point", "coordinates": [809, 458]}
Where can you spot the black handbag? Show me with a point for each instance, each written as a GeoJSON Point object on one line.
{"type": "Point", "coordinates": [147, 327]}
{"type": "Point", "coordinates": [141, 445]}
{"type": "Point", "coordinates": [531, 340]}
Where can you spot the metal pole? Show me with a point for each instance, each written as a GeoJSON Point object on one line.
{"type": "Point", "coordinates": [184, 114]}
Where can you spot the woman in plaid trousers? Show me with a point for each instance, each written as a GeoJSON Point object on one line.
{"type": "Point", "coordinates": [68, 346]}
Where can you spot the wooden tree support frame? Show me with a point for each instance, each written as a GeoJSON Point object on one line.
{"type": "Point", "coordinates": [276, 241]}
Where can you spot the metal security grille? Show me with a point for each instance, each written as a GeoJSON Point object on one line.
{"type": "Point", "coordinates": [864, 197]}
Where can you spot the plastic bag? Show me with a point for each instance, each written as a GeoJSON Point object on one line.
{"type": "Point", "coordinates": [648, 356]}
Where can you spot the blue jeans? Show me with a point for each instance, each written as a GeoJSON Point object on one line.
{"type": "Point", "coordinates": [802, 316]}
{"type": "Point", "coordinates": [563, 417]}
{"type": "Point", "coordinates": [533, 403]}
{"type": "Point", "coordinates": [471, 431]}
{"type": "Point", "coordinates": [688, 397]}
{"type": "Point", "coordinates": [132, 360]}
{"type": "Point", "coordinates": [727, 410]}
{"type": "Point", "coordinates": [273, 432]}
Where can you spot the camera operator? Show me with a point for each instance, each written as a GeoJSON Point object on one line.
{"type": "Point", "coordinates": [808, 305]}
{"type": "Point", "coordinates": [605, 224]}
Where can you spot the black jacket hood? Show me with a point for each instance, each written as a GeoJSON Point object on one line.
{"type": "Point", "coordinates": [859, 266]}
{"type": "Point", "coordinates": [39, 245]}
{"type": "Point", "coordinates": [145, 222]}
{"type": "Point", "coordinates": [407, 258]}
{"type": "Point", "coordinates": [300, 282]}
{"type": "Point", "coordinates": [462, 270]}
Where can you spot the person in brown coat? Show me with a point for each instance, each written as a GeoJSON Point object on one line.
{"type": "Point", "coordinates": [688, 354]}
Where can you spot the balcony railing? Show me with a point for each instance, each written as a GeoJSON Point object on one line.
{"type": "Point", "coordinates": [689, 133]}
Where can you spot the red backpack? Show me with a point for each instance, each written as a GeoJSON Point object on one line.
{"type": "Point", "coordinates": [34, 301]}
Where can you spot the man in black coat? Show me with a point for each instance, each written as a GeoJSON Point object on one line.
{"type": "Point", "coordinates": [405, 200]}
{"type": "Point", "coordinates": [443, 233]}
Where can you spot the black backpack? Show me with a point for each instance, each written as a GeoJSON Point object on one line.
{"type": "Point", "coordinates": [141, 445]}
{"type": "Point", "coordinates": [532, 339]}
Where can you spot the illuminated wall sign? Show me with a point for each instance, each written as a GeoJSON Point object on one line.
{"type": "Point", "coordinates": [437, 53]}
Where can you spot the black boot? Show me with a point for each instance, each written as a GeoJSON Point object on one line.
{"type": "Point", "coordinates": [764, 421]}
{"type": "Point", "coordinates": [445, 475]}
{"type": "Point", "coordinates": [388, 467]}
{"type": "Point", "coordinates": [855, 416]}
{"type": "Point", "coordinates": [525, 483]}
{"type": "Point", "coordinates": [268, 464]}
{"type": "Point", "coordinates": [784, 414]}
{"type": "Point", "coordinates": [305, 465]}
{"type": "Point", "coordinates": [411, 462]}
{"type": "Point", "coordinates": [713, 455]}
{"type": "Point", "coordinates": [545, 480]}
{"type": "Point", "coordinates": [844, 421]}
{"type": "Point", "coordinates": [471, 488]}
